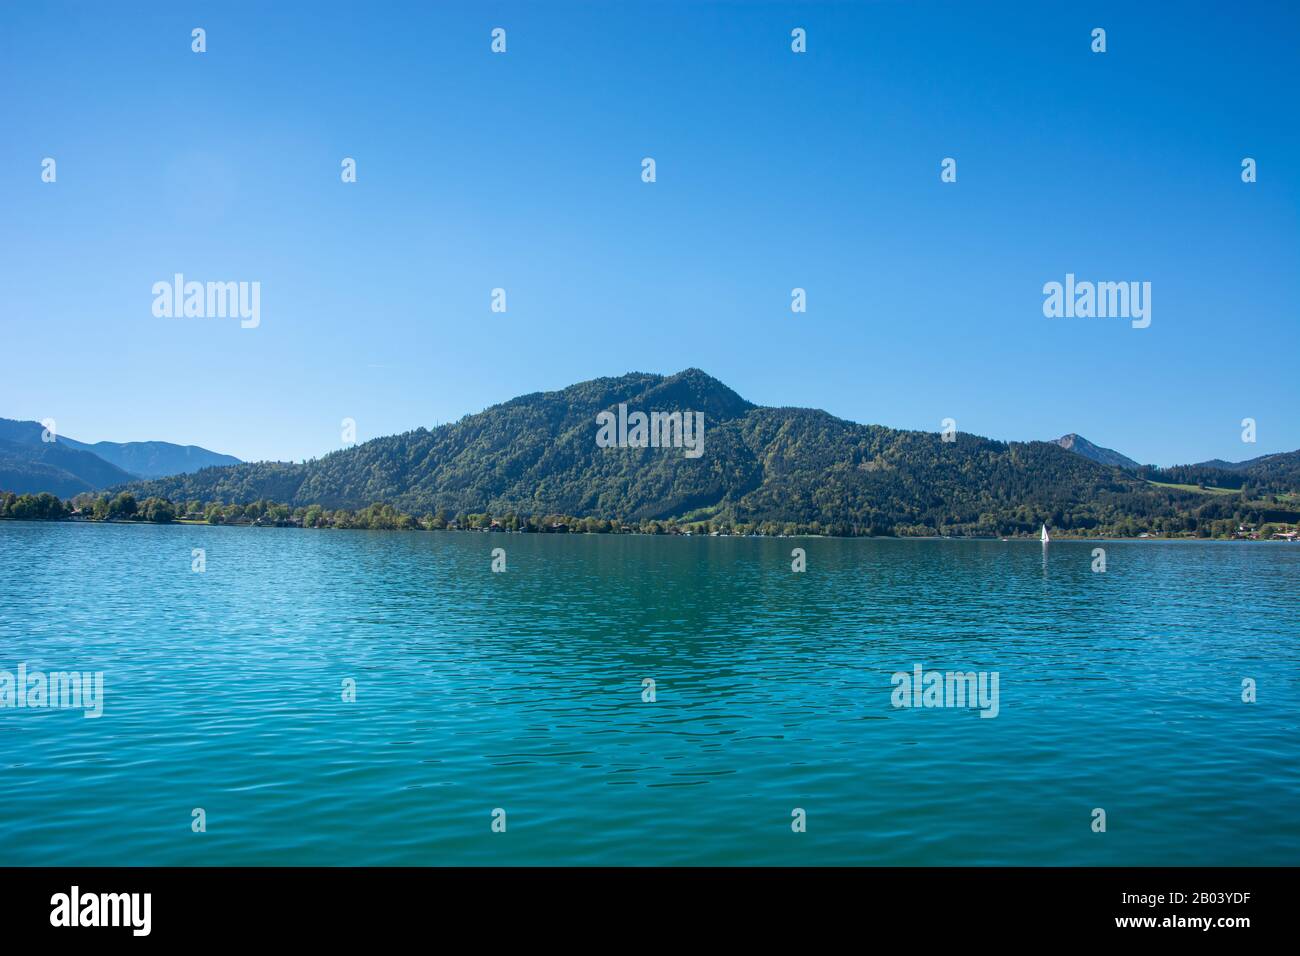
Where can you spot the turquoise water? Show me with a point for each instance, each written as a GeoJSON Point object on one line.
{"type": "Point", "coordinates": [523, 691]}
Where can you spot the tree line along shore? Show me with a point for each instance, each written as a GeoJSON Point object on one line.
{"type": "Point", "coordinates": [383, 517]}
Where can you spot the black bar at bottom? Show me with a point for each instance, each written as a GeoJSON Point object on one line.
{"type": "Point", "coordinates": [213, 905]}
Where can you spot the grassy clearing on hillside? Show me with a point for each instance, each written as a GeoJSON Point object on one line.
{"type": "Point", "coordinates": [1206, 490]}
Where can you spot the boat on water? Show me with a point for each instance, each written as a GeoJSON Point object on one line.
{"type": "Point", "coordinates": [1045, 536]}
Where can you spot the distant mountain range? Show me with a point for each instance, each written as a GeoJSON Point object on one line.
{"type": "Point", "coordinates": [1276, 473]}
{"type": "Point", "coordinates": [538, 454]}
{"type": "Point", "coordinates": [67, 467]}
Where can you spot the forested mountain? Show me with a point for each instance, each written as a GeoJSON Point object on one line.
{"type": "Point", "coordinates": [28, 463]}
{"type": "Point", "coordinates": [537, 454]}
{"type": "Point", "coordinates": [1274, 473]}
{"type": "Point", "coordinates": [1268, 474]}
{"type": "Point", "coordinates": [1277, 474]}
{"type": "Point", "coordinates": [155, 459]}
{"type": "Point", "coordinates": [55, 468]}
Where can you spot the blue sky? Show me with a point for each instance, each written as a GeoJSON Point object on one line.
{"type": "Point", "coordinates": [775, 170]}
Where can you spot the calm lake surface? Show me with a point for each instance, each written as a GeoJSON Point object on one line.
{"type": "Point", "coordinates": [523, 691]}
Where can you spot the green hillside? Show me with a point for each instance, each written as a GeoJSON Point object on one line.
{"type": "Point", "coordinates": [537, 455]}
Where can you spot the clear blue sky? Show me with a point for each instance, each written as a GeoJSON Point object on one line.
{"type": "Point", "coordinates": [775, 170]}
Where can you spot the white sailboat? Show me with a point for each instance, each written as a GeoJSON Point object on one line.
{"type": "Point", "coordinates": [1045, 537]}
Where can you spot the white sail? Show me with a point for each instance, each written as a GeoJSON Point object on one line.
{"type": "Point", "coordinates": [1045, 537]}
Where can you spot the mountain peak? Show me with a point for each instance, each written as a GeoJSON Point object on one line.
{"type": "Point", "coordinates": [697, 375]}
{"type": "Point", "coordinates": [696, 390]}
{"type": "Point", "coordinates": [1103, 456]}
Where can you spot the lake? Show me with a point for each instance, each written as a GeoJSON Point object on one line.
{"type": "Point", "coordinates": [523, 691]}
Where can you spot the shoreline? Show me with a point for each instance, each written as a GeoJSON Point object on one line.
{"type": "Point", "coordinates": [1025, 539]}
